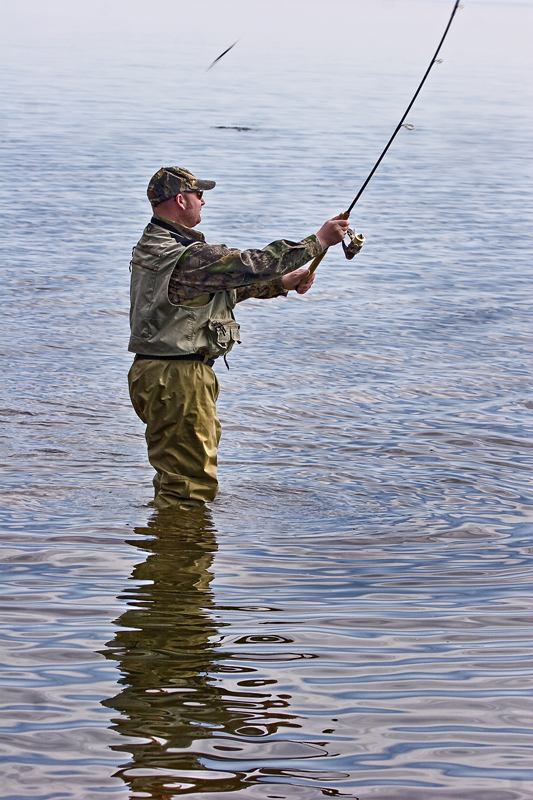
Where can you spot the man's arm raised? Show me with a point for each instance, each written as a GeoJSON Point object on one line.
{"type": "Point", "coordinates": [331, 233]}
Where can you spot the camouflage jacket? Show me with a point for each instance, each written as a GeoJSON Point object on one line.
{"type": "Point", "coordinates": [205, 268]}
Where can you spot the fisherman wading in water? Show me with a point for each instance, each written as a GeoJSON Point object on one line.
{"type": "Point", "coordinates": [183, 292]}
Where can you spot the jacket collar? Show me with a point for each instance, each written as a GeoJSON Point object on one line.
{"type": "Point", "coordinates": [181, 230]}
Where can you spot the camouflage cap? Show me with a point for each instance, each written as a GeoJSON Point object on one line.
{"type": "Point", "coordinates": [170, 181]}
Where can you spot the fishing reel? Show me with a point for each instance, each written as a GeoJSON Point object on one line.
{"type": "Point", "coordinates": [357, 240]}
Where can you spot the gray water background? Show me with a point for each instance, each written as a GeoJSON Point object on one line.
{"type": "Point", "coordinates": [350, 616]}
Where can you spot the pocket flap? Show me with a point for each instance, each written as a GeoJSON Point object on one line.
{"type": "Point", "coordinates": [225, 330]}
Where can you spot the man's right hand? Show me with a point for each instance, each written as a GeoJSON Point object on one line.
{"type": "Point", "coordinates": [333, 231]}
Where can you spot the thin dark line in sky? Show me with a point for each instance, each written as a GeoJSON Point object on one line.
{"type": "Point", "coordinates": [221, 56]}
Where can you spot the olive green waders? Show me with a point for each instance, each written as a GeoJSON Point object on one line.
{"type": "Point", "coordinates": [177, 402]}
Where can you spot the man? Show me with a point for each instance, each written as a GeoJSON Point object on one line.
{"type": "Point", "coordinates": [183, 292]}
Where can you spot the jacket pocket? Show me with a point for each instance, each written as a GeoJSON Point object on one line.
{"type": "Point", "coordinates": [222, 335]}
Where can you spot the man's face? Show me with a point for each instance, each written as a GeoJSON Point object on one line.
{"type": "Point", "coordinates": [192, 211]}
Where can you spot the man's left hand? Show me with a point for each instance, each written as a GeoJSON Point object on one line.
{"type": "Point", "coordinates": [299, 280]}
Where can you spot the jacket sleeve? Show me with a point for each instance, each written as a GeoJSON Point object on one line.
{"type": "Point", "coordinates": [215, 268]}
{"type": "Point", "coordinates": [262, 291]}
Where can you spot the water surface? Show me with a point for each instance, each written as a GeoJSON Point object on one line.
{"type": "Point", "coordinates": [350, 617]}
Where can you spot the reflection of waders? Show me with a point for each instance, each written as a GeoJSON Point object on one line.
{"type": "Point", "coordinates": [357, 239]}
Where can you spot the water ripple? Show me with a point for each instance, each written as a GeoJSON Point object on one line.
{"type": "Point", "coordinates": [351, 617]}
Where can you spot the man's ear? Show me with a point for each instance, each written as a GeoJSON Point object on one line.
{"type": "Point", "coordinates": [180, 201]}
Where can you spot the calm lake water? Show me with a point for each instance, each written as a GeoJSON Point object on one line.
{"type": "Point", "coordinates": [350, 617]}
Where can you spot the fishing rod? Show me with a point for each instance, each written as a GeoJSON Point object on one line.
{"type": "Point", "coordinates": [357, 239]}
{"type": "Point", "coordinates": [222, 55]}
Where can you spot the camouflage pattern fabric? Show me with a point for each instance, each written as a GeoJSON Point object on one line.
{"type": "Point", "coordinates": [170, 181]}
{"type": "Point", "coordinates": [262, 291]}
{"type": "Point", "coordinates": [208, 268]}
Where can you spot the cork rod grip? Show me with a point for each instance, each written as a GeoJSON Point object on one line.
{"type": "Point", "coordinates": [315, 262]}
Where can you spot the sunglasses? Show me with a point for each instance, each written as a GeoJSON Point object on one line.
{"type": "Point", "coordinates": [198, 192]}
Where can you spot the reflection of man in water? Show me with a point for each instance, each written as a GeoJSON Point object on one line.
{"type": "Point", "coordinates": [162, 644]}
{"type": "Point", "coordinates": [196, 718]}
{"type": "Point", "coordinates": [183, 292]}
